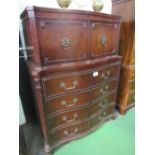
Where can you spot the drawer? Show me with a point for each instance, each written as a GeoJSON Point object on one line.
{"type": "Point", "coordinates": [131, 98]}
{"type": "Point", "coordinates": [66, 102]}
{"type": "Point", "coordinates": [132, 73]}
{"type": "Point", "coordinates": [103, 74]}
{"type": "Point", "coordinates": [132, 86]}
{"type": "Point", "coordinates": [104, 38]}
{"type": "Point", "coordinates": [103, 116]}
{"type": "Point", "coordinates": [103, 103]}
{"type": "Point", "coordinates": [69, 132]}
{"type": "Point", "coordinates": [63, 40]}
{"type": "Point", "coordinates": [67, 117]}
{"type": "Point", "coordinates": [103, 89]}
{"type": "Point", "coordinates": [62, 83]}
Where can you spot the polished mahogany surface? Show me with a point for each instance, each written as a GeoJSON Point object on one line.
{"type": "Point", "coordinates": [68, 35]}
{"type": "Point", "coordinates": [74, 69]}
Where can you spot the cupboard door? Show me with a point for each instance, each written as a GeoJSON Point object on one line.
{"type": "Point", "coordinates": [63, 40]}
{"type": "Point", "coordinates": [104, 39]}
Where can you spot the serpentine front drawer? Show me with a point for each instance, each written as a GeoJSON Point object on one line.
{"type": "Point", "coordinates": [103, 116]}
{"type": "Point", "coordinates": [68, 133]}
{"type": "Point", "coordinates": [69, 101]}
{"type": "Point", "coordinates": [64, 118]}
{"type": "Point", "coordinates": [103, 102]}
{"type": "Point", "coordinates": [55, 84]}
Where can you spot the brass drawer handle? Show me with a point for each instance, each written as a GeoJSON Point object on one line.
{"type": "Point", "coordinates": [64, 118]}
{"type": "Point", "coordinates": [65, 42]}
{"type": "Point", "coordinates": [106, 75]}
{"type": "Point", "coordinates": [104, 40]}
{"type": "Point", "coordinates": [63, 85]}
{"type": "Point", "coordinates": [67, 133]}
{"type": "Point", "coordinates": [102, 104]}
{"type": "Point", "coordinates": [104, 90]}
{"type": "Point", "coordinates": [64, 103]}
{"type": "Point", "coordinates": [102, 116]}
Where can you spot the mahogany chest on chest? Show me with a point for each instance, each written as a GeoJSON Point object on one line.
{"type": "Point", "coordinates": [74, 69]}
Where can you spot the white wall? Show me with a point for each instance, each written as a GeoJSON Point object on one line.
{"type": "Point", "coordinates": [22, 118]}
{"type": "Point", "coordinates": [76, 4]}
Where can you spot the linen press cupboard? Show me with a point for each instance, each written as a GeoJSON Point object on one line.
{"type": "Point", "coordinates": [126, 96]}
{"type": "Point", "coordinates": [74, 69]}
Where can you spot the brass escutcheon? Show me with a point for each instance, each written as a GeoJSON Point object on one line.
{"type": "Point", "coordinates": [65, 42]}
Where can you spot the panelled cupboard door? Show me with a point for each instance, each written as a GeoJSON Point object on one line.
{"type": "Point", "coordinates": [62, 40]}
{"type": "Point", "coordinates": [104, 38]}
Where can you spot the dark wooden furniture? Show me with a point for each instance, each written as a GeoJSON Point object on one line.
{"type": "Point", "coordinates": [126, 96]}
{"type": "Point", "coordinates": [74, 70]}
{"type": "Point", "coordinates": [25, 90]}
{"type": "Point", "coordinates": [22, 143]}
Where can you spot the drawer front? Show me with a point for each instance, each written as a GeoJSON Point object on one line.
{"type": "Point", "coordinates": [112, 70]}
{"type": "Point", "coordinates": [64, 83]}
{"type": "Point", "coordinates": [103, 103]}
{"type": "Point", "coordinates": [132, 73]}
{"type": "Point", "coordinates": [67, 101]}
{"type": "Point", "coordinates": [103, 116]}
{"type": "Point", "coordinates": [67, 117]}
{"type": "Point", "coordinates": [104, 38]}
{"type": "Point", "coordinates": [69, 132]}
{"type": "Point", "coordinates": [103, 89]}
{"type": "Point", "coordinates": [132, 86]}
{"type": "Point", "coordinates": [63, 40]}
{"type": "Point", "coordinates": [131, 98]}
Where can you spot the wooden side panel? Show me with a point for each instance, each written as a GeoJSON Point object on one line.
{"type": "Point", "coordinates": [126, 9]}
{"type": "Point", "coordinates": [39, 101]}
{"type": "Point", "coordinates": [126, 89]}
{"type": "Point", "coordinates": [28, 39]}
